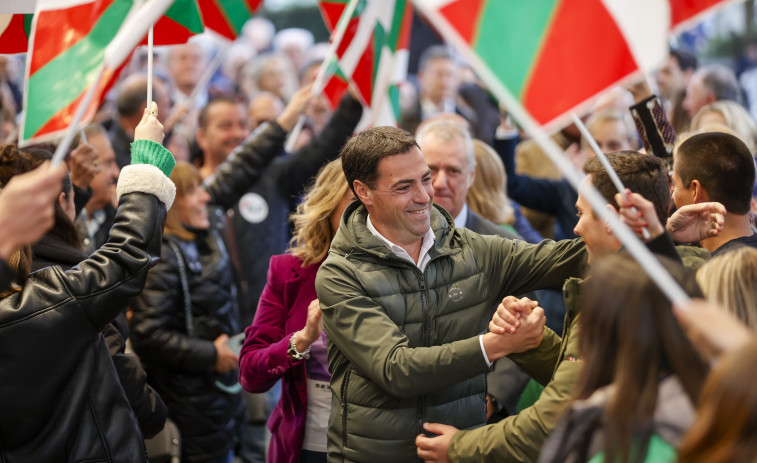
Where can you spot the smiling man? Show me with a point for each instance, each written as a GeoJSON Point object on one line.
{"type": "Point", "coordinates": [405, 295]}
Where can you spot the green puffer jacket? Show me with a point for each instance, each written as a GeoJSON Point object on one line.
{"type": "Point", "coordinates": [403, 344]}
{"type": "Point", "coordinates": [555, 364]}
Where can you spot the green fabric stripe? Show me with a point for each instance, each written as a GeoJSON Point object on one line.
{"type": "Point", "coordinates": [508, 42]}
{"type": "Point", "coordinates": [149, 152]}
{"type": "Point", "coordinates": [379, 40]}
{"type": "Point", "coordinates": [235, 12]}
{"type": "Point", "coordinates": [28, 24]}
{"type": "Point", "coordinates": [396, 27]}
{"type": "Point", "coordinates": [65, 77]}
{"type": "Point", "coordinates": [394, 100]}
{"type": "Point", "coordinates": [186, 13]}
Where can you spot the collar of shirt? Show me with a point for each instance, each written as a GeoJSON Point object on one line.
{"type": "Point", "coordinates": [423, 258]}
{"type": "Point", "coordinates": [462, 217]}
{"type": "Point", "coordinates": [428, 108]}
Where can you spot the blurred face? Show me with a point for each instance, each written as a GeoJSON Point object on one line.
{"type": "Point", "coordinates": [451, 173]}
{"type": "Point", "coordinates": [599, 241]}
{"type": "Point", "coordinates": [264, 108]}
{"type": "Point", "coordinates": [336, 216]}
{"type": "Point", "coordinates": [185, 63]}
{"type": "Point", "coordinates": [226, 129]}
{"type": "Point", "coordinates": [273, 79]}
{"type": "Point", "coordinates": [192, 208]}
{"type": "Point", "coordinates": [440, 79]}
{"type": "Point", "coordinates": [400, 205]}
{"type": "Point", "coordinates": [671, 79]}
{"type": "Point", "coordinates": [681, 194]}
{"type": "Point", "coordinates": [160, 95]}
{"type": "Point", "coordinates": [696, 95]}
{"type": "Point", "coordinates": [611, 136]}
{"type": "Point", "coordinates": [104, 183]}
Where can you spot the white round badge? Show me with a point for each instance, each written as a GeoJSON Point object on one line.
{"type": "Point", "coordinates": [253, 208]}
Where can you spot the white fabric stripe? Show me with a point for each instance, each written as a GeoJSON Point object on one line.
{"type": "Point", "coordinates": [362, 38]}
{"type": "Point", "coordinates": [645, 25]}
{"type": "Point", "coordinates": [59, 4]}
{"type": "Point", "coordinates": [17, 6]}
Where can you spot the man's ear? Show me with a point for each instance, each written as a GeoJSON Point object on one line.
{"type": "Point", "coordinates": [700, 195]}
{"type": "Point", "coordinates": [472, 177]}
{"type": "Point", "coordinates": [362, 192]}
{"type": "Point", "coordinates": [614, 212]}
{"type": "Point", "coordinates": [200, 135]}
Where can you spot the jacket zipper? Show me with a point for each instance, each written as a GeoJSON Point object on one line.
{"type": "Point", "coordinates": [425, 336]}
{"type": "Point", "coordinates": [344, 406]}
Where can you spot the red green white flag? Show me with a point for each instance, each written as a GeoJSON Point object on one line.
{"type": "Point", "coordinates": [14, 33]}
{"type": "Point", "coordinates": [555, 55]}
{"type": "Point", "coordinates": [227, 17]}
{"type": "Point", "coordinates": [372, 54]}
{"type": "Point", "coordinates": [75, 47]}
{"type": "Point", "coordinates": [181, 21]}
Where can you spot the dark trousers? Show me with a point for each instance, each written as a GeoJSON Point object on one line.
{"type": "Point", "coordinates": [308, 456]}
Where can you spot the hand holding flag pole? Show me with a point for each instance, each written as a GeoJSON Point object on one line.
{"type": "Point", "coordinates": [606, 164]}
{"type": "Point", "coordinates": [320, 78]}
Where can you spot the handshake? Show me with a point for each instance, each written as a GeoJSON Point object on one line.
{"type": "Point", "coordinates": [517, 326]}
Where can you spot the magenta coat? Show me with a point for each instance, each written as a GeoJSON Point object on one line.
{"type": "Point", "coordinates": [282, 310]}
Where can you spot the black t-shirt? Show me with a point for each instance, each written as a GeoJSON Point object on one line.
{"type": "Point", "coordinates": [750, 241]}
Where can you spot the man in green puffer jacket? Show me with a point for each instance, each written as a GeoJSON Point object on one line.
{"type": "Point", "coordinates": [405, 296]}
{"type": "Point", "coordinates": [556, 363]}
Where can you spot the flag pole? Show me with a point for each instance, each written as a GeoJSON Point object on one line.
{"type": "Point", "coordinates": [635, 247]}
{"type": "Point", "coordinates": [605, 163]}
{"type": "Point", "coordinates": [341, 28]}
{"type": "Point", "coordinates": [60, 151]}
{"type": "Point", "coordinates": [149, 67]}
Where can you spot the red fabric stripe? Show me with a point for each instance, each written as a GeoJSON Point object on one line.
{"type": "Point", "coordinates": [463, 15]}
{"type": "Point", "coordinates": [254, 5]}
{"type": "Point", "coordinates": [168, 32]}
{"type": "Point", "coordinates": [583, 53]}
{"type": "Point", "coordinates": [331, 13]}
{"type": "Point", "coordinates": [334, 90]}
{"type": "Point", "coordinates": [77, 22]}
{"type": "Point", "coordinates": [403, 42]}
{"type": "Point", "coordinates": [682, 10]}
{"type": "Point", "coordinates": [14, 39]}
{"type": "Point", "coordinates": [213, 18]}
{"type": "Point", "coordinates": [363, 74]}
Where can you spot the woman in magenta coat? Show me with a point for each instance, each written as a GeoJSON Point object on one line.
{"type": "Point", "coordinates": [286, 338]}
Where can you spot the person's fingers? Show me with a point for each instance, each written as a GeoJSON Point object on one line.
{"type": "Point", "coordinates": [145, 116]}
{"type": "Point", "coordinates": [437, 428]}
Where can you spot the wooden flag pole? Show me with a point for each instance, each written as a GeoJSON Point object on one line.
{"type": "Point", "coordinates": [633, 245]}
{"type": "Point", "coordinates": [320, 77]}
{"type": "Point", "coordinates": [605, 163]}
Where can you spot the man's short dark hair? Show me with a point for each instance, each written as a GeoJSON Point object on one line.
{"type": "Point", "coordinates": [202, 118]}
{"type": "Point", "coordinates": [723, 165]}
{"type": "Point", "coordinates": [434, 52]}
{"type": "Point", "coordinates": [362, 153]}
{"type": "Point", "coordinates": [131, 99]}
{"type": "Point", "coordinates": [722, 82]}
{"type": "Point", "coordinates": [641, 173]}
{"type": "Point", "coordinates": [685, 59]}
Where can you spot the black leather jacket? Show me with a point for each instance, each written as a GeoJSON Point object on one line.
{"type": "Point", "coordinates": [180, 366]}
{"type": "Point", "coordinates": [61, 399]}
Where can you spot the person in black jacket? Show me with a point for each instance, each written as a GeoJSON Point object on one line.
{"type": "Point", "coordinates": [61, 246]}
{"type": "Point", "coordinates": [61, 399]}
{"type": "Point", "coordinates": [26, 213]}
{"type": "Point", "coordinates": [183, 319]}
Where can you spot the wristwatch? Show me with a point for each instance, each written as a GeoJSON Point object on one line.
{"type": "Point", "coordinates": [293, 353]}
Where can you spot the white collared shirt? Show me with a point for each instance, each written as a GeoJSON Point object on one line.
{"type": "Point", "coordinates": [462, 217]}
{"type": "Point", "coordinates": [423, 258]}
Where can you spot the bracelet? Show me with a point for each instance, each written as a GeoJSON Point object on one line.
{"type": "Point", "coordinates": [293, 353]}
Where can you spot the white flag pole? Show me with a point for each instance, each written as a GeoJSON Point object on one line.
{"type": "Point", "coordinates": [605, 163]}
{"type": "Point", "coordinates": [341, 28]}
{"type": "Point", "coordinates": [149, 67]}
{"type": "Point", "coordinates": [635, 247]}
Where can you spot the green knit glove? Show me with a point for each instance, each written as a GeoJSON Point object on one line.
{"type": "Point", "coordinates": [149, 152]}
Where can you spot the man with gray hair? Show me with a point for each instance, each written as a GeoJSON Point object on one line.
{"type": "Point", "coordinates": [710, 84]}
{"type": "Point", "coordinates": [448, 150]}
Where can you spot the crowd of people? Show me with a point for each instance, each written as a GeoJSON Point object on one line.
{"type": "Point", "coordinates": [434, 291]}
